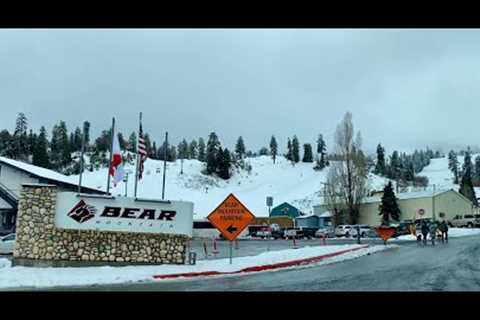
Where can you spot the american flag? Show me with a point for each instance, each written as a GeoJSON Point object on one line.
{"type": "Point", "coordinates": [142, 152]}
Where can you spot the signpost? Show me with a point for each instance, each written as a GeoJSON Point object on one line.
{"type": "Point", "coordinates": [269, 205]}
{"type": "Point", "coordinates": [230, 218]}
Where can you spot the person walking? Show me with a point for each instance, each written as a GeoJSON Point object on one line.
{"type": "Point", "coordinates": [443, 227]}
{"type": "Point", "coordinates": [433, 231]}
{"type": "Point", "coordinates": [424, 228]}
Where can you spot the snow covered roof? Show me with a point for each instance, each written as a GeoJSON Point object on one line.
{"type": "Point", "coordinates": [43, 173]}
{"type": "Point", "coordinates": [4, 204]}
{"type": "Point", "coordinates": [306, 216]}
{"type": "Point", "coordinates": [325, 214]}
{"type": "Point", "coordinates": [408, 195]}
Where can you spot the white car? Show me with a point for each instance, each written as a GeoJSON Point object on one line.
{"type": "Point", "coordinates": [343, 230]}
{"type": "Point", "coordinates": [7, 244]}
{"type": "Point", "coordinates": [365, 230]}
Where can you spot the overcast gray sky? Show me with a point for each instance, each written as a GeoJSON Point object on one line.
{"type": "Point", "coordinates": [405, 88]}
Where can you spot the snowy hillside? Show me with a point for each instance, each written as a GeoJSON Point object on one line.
{"type": "Point", "coordinates": [299, 184]}
{"type": "Point", "coordinates": [439, 175]}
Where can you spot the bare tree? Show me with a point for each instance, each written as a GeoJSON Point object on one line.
{"type": "Point", "coordinates": [332, 196]}
{"type": "Point", "coordinates": [349, 175]}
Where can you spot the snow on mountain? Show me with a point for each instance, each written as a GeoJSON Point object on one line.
{"type": "Point", "coordinates": [299, 185]}
{"type": "Point", "coordinates": [439, 175]}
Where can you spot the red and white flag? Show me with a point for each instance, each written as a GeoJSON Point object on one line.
{"type": "Point", "coordinates": [116, 167]}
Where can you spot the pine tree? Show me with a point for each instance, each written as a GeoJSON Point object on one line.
{"type": "Point", "coordinates": [453, 165]}
{"type": "Point", "coordinates": [121, 141]}
{"type": "Point", "coordinates": [213, 145]}
{"type": "Point", "coordinates": [32, 139]}
{"type": "Point", "coordinates": [477, 169]}
{"type": "Point", "coordinates": [393, 171]}
{"type": "Point", "coordinates": [154, 150]}
{"type": "Point", "coordinates": [132, 142]}
{"type": "Point", "coordinates": [295, 149]}
{"type": "Point", "coordinates": [307, 153]}
{"type": "Point", "coordinates": [201, 150]}
{"type": "Point", "coordinates": [66, 156]}
{"type": "Point", "coordinates": [224, 163]}
{"type": "Point", "coordinates": [321, 151]}
{"type": "Point", "coordinates": [183, 150]}
{"type": "Point", "coordinates": [5, 141]}
{"type": "Point", "coordinates": [172, 154]}
{"type": "Point", "coordinates": [20, 140]}
{"type": "Point", "coordinates": [86, 129]}
{"type": "Point", "coordinates": [389, 209]}
{"type": "Point", "coordinates": [77, 139]}
{"type": "Point", "coordinates": [273, 148]}
{"type": "Point", "coordinates": [466, 185]}
{"type": "Point", "coordinates": [40, 153]}
{"type": "Point", "coordinates": [289, 155]}
{"type": "Point", "coordinates": [148, 144]}
{"type": "Point", "coordinates": [263, 151]}
{"type": "Point", "coordinates": [380, 165]}
{"type": "Point", "coordinates": [192, 149]}
{"type": "Point", "coordinates": [240, 148]}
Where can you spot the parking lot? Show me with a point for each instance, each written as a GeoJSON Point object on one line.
{"type": "Point", "coordinates": [249, 247]}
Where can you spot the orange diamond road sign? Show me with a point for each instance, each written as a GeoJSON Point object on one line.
{"type": "Point", "coordinates": [230, 217]}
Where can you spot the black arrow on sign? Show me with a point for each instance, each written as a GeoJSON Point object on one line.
{"type": "Point", "coordinates": [231, 229]}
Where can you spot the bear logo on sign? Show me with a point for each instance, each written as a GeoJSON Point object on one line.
{"type": "Point", "coordinates": [82, 212]}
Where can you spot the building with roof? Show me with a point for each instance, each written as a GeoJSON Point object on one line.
{"type": "Point", "coordinates": [418, 205]}
{"type": "Point", "coordinates": [13, 174]}
{"type": "Point", "coordinates": [412, 205]}
{"type": "Point", "coordinates": [287, 210]}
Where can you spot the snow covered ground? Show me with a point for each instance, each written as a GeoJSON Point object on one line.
{"type": "Point", "coordinates": [452, 233]}
{"type": "Point", "coordinates": [439, 175]}
{"type": "Point", "coordinates": [14, 277]}
{"type": "Point", "coordinates": [299, 185]}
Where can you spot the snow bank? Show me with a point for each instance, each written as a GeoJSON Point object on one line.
{"type": "Point", "coordinates": [11, 277]}
{"type": "Point", "coordinates": [4, 263]}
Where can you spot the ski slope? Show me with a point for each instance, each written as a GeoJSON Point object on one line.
{"type": "Point", "coordinates": [439, 175]}
{"type": "Point", "coordinates": [299, 185]}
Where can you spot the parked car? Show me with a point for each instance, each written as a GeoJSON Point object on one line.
{"type": "Point", "coordinates": [291, 233]}
{"type": "Point", "coordinates": [343, 230]}
{"type": "Point", "coordinates": [364, 229]}
{"type": "Point", "coordinates": [278, 234]}
{"type": "Point", "coordinates": [264, 233]}
{"type": "Point", "coordinates": [309, 232]}
{"type": "Point", "coordinates": [326, 232]}
{"type": "Point", "coordinates": [460, 221]}
{"type": "Point", "coordinates": [477, 220]}
{"type": "Point", "coordinates": [402, 229]}
{"type": "Point", "coordinates": [7, 244]}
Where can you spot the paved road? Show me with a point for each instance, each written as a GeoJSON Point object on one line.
{"type": "Point", "coordinates": [410, 267]}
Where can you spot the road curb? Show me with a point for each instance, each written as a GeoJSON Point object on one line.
{"type": "Point", "coordinates": [265, 267]}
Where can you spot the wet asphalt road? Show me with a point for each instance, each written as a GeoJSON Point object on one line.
{"type": "Point", "coordinates": [409, 267]}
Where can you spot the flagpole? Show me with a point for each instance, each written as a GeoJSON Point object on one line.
{"type": "Point", "coordinates": [111, 156]}
{"type": "Point", "coordinates": [164, 164]}
{"type": "Point", "coordinates": [138, 162]}
{"type": "Point", "coordinates": [81, 160]}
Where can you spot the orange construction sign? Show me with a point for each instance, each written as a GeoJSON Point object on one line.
{"type": "Point", "coordinates": [230, 217]}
